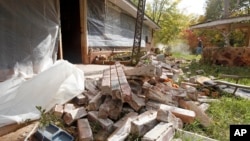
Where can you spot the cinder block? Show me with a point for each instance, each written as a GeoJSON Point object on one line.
{"type": "Point", "coordinates": [121, 133]}
{"type": "Point", "coordinates": [73, 115]}
{"type": "Point", "coordinates": [104, 123]}
{"type": "Point", "coordinates": [136, 102]}
{"type": "Point", "coordinates": [81, 99]}
{"type": "Point", "coordinates": [110, 108]}
{"type": "Point", "coordinates": [58, 110]}
{"type": "Point", "coordinates": [144, 122]}
{"type": "Point", "coordinates": [95, 103]}
{"type": "Point", "coordinates": [120, 122]}
{"type": "Point", "coordinates": [187, 116]}
{"type": "Point", "coordinates": [167, 116]}
{"type": "Point", "coordinates": [84, 130]}
{"type": "Point", "coordinates": [69, 107]}
{"type": "Point", "coordinates": [161, 132]}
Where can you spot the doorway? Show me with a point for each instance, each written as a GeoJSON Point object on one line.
{"type": "Point", "coordinates": [71, 32]}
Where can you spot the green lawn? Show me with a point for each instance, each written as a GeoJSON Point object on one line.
{"type": "Point", "coordinates": [215, 70]}
{"type": "Point", "coordinates": [229, 110]}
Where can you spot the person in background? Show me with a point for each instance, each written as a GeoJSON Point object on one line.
{"type": "Point", "coordinates": [199, 46]}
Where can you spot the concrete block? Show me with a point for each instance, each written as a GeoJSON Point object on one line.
{"type": "Point", "coordinates": [111, 108]}
{"type": "Point", "coordinates": [167, 116]}
{"type": "Point", "coordinates": [73, 115]}
{"type": "Point", "coordinates": [58, 110]}
{"type": "Point", "coordinates": [105, 86]}
{"type": "Point", "coordinates": [157, 95]}
{"type": "Point", "coordinates": [121, 133]}
{"type": "Point", "coordinates": [95, 103]}
{"type": "Point", "coordinates": [187, 116]}
{"type": "Point", "coordinates": [84, 130]}
{"type": "Point", "coordinates": [136, 102]}
{"type": "Point", "coordinates": [149, 70]}
{"type": "Point", "coordinates": [120, 122]}
{"type": "Point", "coordinates": [201, 116]}
{"type": "Point", "coordinates": [161, 132]}
{"type": "Point", "coordinates": [81, 99]}
{"type": "Point", "coordinates": [104, 123]}
{"type": "Point", "coordinates": [144, 122]}
{"type": "Point", "coordinates": [68, 107]}
{"type": "Point", "coordinates": [204, 106]}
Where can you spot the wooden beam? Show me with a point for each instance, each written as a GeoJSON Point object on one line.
{"type": "Point", "coordinates": [13, 127]}
{"type": "Point", "coordinates": [232, 84]}
{"type": "Point", "coordinates": [221, 22]}
{"type": "Point", "coordinates": [60, 49]}
{"type": "Point", "coordinates": [84, 31]}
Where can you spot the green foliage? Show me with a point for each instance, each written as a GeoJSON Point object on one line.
{"type": "Point", "coordinates": [228, 110]}
{"type": "Point", "coordinates": [171, 21]}
{"type": "Point", "coordinates": [239, 7]}
{"type": "Point", "coordinates": [135, 2]}
{"type": "Point", "coordinates": [172, 25]}
{"type": "Point", "coordinates": [133, 137]}
{"type": "Point", "coordinates": [47, 118]}
{"type": "Point", "coordinates": [236, 38]}
{"type": "Point", "coordinates": [216, 70]}
{"type": "Point", "coordinates": [213, 37]}
{"type": "Point", "coordinates": [95, 127]}
{"type": "Point", "coordinates": [215, 8]}
{"type": "Point", "coordinates": [185, 56]}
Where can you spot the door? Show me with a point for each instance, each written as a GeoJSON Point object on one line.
{"type": "Point", "coordinates": [70, 28]}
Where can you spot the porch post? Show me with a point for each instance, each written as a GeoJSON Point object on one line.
{"type": "Point", "coordinates": [60, 49]}
{"type": "Point", "coordinates": [84, 31]}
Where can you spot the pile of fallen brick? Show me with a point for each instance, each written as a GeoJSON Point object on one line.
{"type": "Point", "coordinates": [144, 101]}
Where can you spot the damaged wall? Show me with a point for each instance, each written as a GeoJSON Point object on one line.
{"type": "Point", "coordinates": [28, 36]}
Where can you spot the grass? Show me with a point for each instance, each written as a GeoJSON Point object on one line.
{"type": "Point", "coordinates": [214, 70]}
{"type": "Point", "coordinates": [186, 56]}
{"type": "Point", "coordinates": [229, 110]}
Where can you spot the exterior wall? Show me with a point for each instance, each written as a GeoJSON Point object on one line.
{"type": "Point", "coordinates": [111, 30]}
{"type": "Point", "coordinates": [109, 26]}
{"type": "Point", "coordinates": [227, 56]}
{"type": "Point", "coordinates": [28, 36]}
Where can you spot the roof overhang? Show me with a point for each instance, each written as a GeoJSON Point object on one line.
{"type": "Point", "coordinates": [223, 23]}
{"type": "Point", "coordinates": [132, 10]}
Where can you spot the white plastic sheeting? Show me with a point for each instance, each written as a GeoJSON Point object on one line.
{"type": "Point", "coordinates": [109, 26]}
{"type": "Point", "coordinates": [28, 36]}
{"type": "Point", "coordinates": [56, 85]}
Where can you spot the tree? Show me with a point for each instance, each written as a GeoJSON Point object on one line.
{"type": "Point", "coordinates": [240, 7]}
{"type": "Point", "coordinates": [135, 2]}
{"type": "Point", "coordinates": [214, 10]}
{"type": "Point", "coordinates": [217, 9]}
{"type": "Point", "coordinates": [166, 14]}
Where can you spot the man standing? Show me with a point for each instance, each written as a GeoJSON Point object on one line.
{"type": "Point", "coordinates": [199, 47]}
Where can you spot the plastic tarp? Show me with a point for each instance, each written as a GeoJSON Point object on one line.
{"type": "Point", "coordinates": [108, 26]}
{"type": "Point", "coordinates": [56, 85]}
{"type": "Point", "coordinates": [28, 36]}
